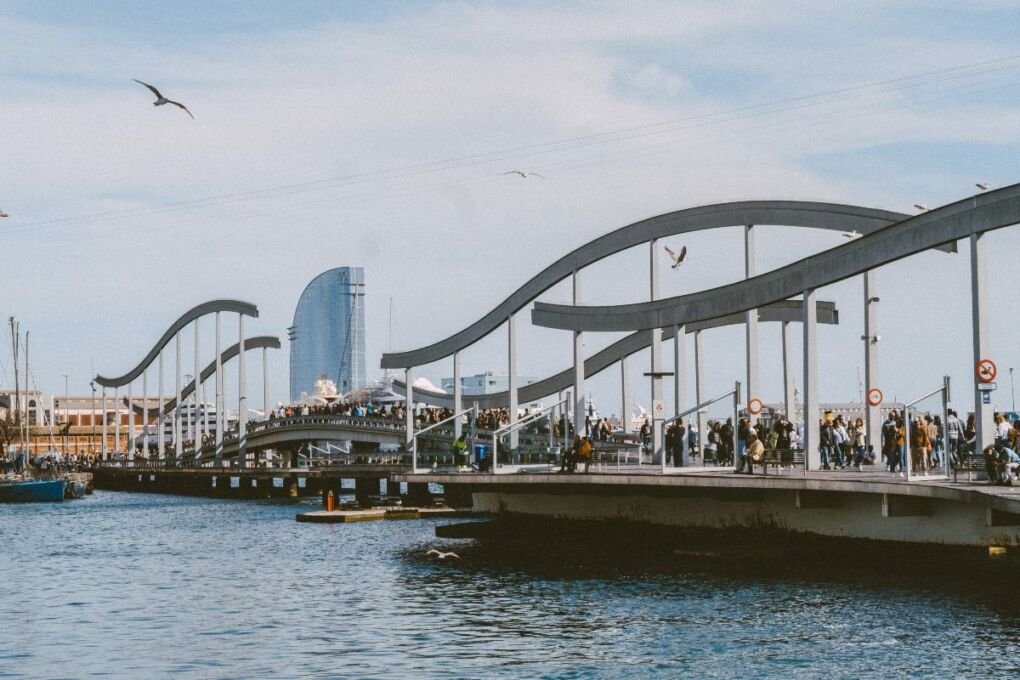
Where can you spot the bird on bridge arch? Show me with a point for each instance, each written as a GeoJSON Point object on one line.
{"type": "Point", "coordinates": [161, 100]}
{"type": "Point", "coordinates": [677, 259]}
{"type": "Point", "coordinates": [442, 555]}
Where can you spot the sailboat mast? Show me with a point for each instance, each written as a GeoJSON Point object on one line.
{"type": "Point", "coordinates": [27, 440]}
{"type": "Point", "coordinates": [17, 386]}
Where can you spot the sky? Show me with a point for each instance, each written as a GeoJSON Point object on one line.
{"type": "Point", "coordinates": [378, 134]}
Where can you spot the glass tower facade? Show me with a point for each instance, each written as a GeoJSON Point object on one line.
{"type": "Point", "coordinates": [328, 334]}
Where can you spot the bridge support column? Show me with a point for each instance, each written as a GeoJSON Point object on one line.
{"type": "Point", "coordinates": [511, 353]}
{"type": "Point", "coordinates": [750, 270]}
{"type": "Point", "coordinates": [624, 396]}
{"type": "Point", "coordinates": [145, 412]}
{"type": "Point", "coordinates": [873, 414]}
{"type": "Point", "coordinates": [458, 395]}
{"type": "Point", "coordinates": [265, 385]}
{"type": "Point", "coordinates": [578, 361]}
{"type": "Point", "coordinates": [102, 448]}
{"type": "Point", "coordinates": [160, 433]}
{"type": "Point", "coordinates": [219, 396]}
{"type": "Point", "coordinates": [131, 424]}
{"type": "Point", "coordinates": [656, 356]}
{"type": "Point", "coordinates": [116, 420]}
{"type": "Point", "coordinates": [242, 396]}
{"type": "Point", "coordinates": [812, 431]}
{"type": "Point", "coordinates": [699, 390]}
{"type": "Point", "coordinates": [178, 439]}
{"type": "Point", "coordinates": [680, 385]}
{"type": "Point", "coordinates": [789, 398]}
{"type": "Point", "coordinates": [409, 419]}
{"type": "Point", "coordinates": [979, 324]}
{"type": "Point", "coordinates": [196, 434]}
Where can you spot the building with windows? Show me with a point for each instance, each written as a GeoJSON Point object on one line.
{"type": "Point", "coordinates": [485, 383]}
{"type": "Point", "coordinates": [327, 338]}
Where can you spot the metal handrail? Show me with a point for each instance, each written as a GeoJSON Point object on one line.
{"type": "Point", "coordinates": [415, 434]}
{"type": "Point", "coordinates": [527, 420]}
{"type": "Point", "coordinates": [735, 393]}
{"type": "Point", "coordinates": [944, 389]}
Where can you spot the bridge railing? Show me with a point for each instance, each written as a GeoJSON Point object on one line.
{"type": "Point", "coordinates": [544, 454]}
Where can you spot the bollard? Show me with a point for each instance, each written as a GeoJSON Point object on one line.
{"type": "Point", "coordinates": [330, 502]}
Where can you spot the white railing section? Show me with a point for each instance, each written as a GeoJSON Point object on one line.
{"type": "Point", "coordinates": [908, 464]}
{"type": "Point", "coordinates": [734, 393]}
{"type": "Point", "coordinates": [417, 433]}
{"type": "Point", "coordinates": [524, 422]}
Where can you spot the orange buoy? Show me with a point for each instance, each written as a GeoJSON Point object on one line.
{"type": "Point", "coordinates": [330, 503]}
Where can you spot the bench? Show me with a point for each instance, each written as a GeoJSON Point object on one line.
{"type": "Point", "coordinates": [779, 458]}
{"type": "Point", "coordinates": [969, 463]}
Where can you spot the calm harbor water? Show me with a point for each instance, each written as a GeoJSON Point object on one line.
{"type": "Point", "coordinates": [136, 585]}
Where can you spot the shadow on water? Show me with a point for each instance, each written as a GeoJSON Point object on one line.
{"type": "Point", "coordinates": [607, 551]}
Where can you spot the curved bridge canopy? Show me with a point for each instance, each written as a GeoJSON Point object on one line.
{"type": "Point", "coordinates": [784, 310]}
{"type": "Point", "coordinates": [807, 214]}
{"type": "Point", "coordinates": [257, 342]}
{"type": "Point", "coordinates": [245, 308]}
{"type": "Point", "coordinates": [941, 226]}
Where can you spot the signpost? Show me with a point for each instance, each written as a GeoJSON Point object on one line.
{"type": "Point", "coordinates": [874, 396]}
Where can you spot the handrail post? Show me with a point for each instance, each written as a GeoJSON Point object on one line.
{"type": "Point", "coordinates": [736, 419]}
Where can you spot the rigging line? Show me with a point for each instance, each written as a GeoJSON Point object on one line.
{"type": "Point", "coordinates": [556, 145]}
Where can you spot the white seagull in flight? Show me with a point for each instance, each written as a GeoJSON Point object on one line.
{"type": "Point", "coordinates": [441, 555]}
{"type": "Point", "coordinates": [983, 186]}
{"type": "Point", "coordinates": [3, 214]}
{"type": "Point", "coordinates": [923, 207]}
{"type": "Point", "coordinates": [523, 173]}
{"type": "Point", "coordinates": [852, 234]}
{"type": "Point", "coordinates": [160, 99]}
{"type": "Point", "coordinates": [677, 259]}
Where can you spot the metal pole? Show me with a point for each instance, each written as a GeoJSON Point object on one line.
{"type": "Point", "coordinates": [906, 443]}
{"type": "Point", "coordinates": [789, 398]}
{"type": "Point", "coordinates": [219, 396]}
{"type": "Point", "coordinates": [945, 419]}
{"type": "Point", "coordinates": [145, 411]}
{"type": "Point", "coordinates": [116, 417]}
{"type": "Point", "coordinates": [680, 385]}
{"type": "Point", "coordinates": [410, 443]}
{"type": "Point", "coordinates": [656, 355]}
{"type": "Point", "coordinates": [178, 443]}
{"type": "Point", "coordinates": [265, 385]}
{"type": "Point", "coordinates": [736, 419]}
{"type": "Point", "coordinates": [242, 396]}
{"type": "Point", "coordinates": [979, 323]}
{"type": "Point", "coordinates": [458, 395]}
{"type": "Point", "coordinates": [578, 360]}
{"type": "Point", "coordinates": [67, 416]}
{"type": "Point", "coordinates": [624, 397]}
{"type": "Point", "coordinates": [93, 419]}
{"type": "Point", "coordinates": [812, 431]}
{"type": "Point", "coordinates": [131, 424]}
{"type": "Point", "coordinates": [511, 333]}
{"type": "Point", "coordinates": [873, 413]}
{"type": "Point", "coordinates": [699, 388]}
{"type": "Point", "coordinates": [160, 418]}
{"type": "Point", "coordinates": [751, 323]}
{"type": "Point", "coordinates": [195, 435]}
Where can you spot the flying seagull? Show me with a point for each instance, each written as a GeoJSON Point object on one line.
{"type": "Point", "coordinates": [677, 259]}
{"type": "Point", "coordinates": [3, 214]}
{"type": "Point", "coordinates": [160, 99]}
{"type": "Point", "coordinates": [523, 173]}
{"type": "Point", "coordinates": [983, 186]}
{"type": "Point", "coordinates": [442, 555]}
{"type": "Point", "coordinates": [921, 206]}
{"type": "Point", "coordinates": [852, 234]}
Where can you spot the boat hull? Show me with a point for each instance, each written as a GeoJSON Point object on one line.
{"type": "Point", "coordinates": [33, 491]}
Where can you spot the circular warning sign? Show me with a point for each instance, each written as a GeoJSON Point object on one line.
{"type": "Point", "coordinates": [986, 370]}
{"type": "Point", "coordinates": [874, 396]}
{"type": "Point", "coordinates": [754, 406]}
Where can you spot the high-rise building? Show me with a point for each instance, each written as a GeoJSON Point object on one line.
{"type": "Point", "coordinates": [328, 335]}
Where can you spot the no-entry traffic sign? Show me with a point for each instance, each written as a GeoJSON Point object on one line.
{"type": "Point", "coordinates": [986, 370]}
{"type": "Point", "coordinates": [754, 406]}
{"type": "Point", "coordinates": [874, 396]}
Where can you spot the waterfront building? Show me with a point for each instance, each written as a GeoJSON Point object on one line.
{"type": "Point", "coordinates": [327, 337]}
{"type": "Point", "coordinates": [485, 383]}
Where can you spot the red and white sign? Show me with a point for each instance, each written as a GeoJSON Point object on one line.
{"type": "Point", "coordinates": [986, 370]}
{"type": "Point", "coordinates": [659, 408]}
{"type": "Point", "coordinates": [754, 406]}
{"type": "Point", "coordinates": [874, 396]}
